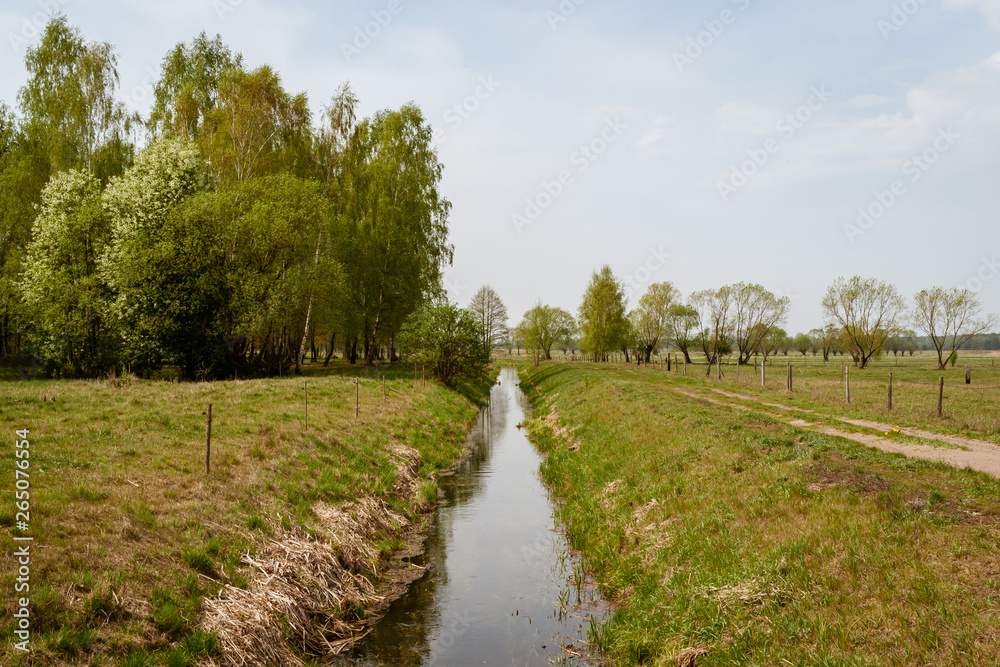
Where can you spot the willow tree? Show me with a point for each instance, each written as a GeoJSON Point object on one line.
{"type": "Point", "coordinates": [651, 319]}
{"type": "Point", "coordinates": [755, 312]}
{"type": "Point", "coordinates": [868, 313]}
{"type": "Point", "coordinates": [393, 239]}
{"type": "Point", "coordinates": [950, 318]}
{"type": "Point", "coordinates": [543, 327]}
{"type": "Point", "coordinates": [602, 315]}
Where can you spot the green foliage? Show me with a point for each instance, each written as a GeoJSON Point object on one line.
{"type": "Point", "coordinates": [188, 88]}
{"type": "Point", "coordinates": [447, 339]}
{"type": "Point", "coordinates": [62, 286]}
{"type": "Point", "coordinates": [545, 326]}
{"type": "Point", "coordinates": [602, 314]}
{"type": "Point", "coordinates": [393, 239]}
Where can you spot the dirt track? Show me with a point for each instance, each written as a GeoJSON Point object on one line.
{"type": "Point", "coordinates": [975, 454]}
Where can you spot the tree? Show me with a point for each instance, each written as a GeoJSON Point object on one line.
{"type": "Point", "coordinates": [682, 328]}
{"type": "Point", "coordinates": [951, 318]}
{"type": "Point", "coordinates": [543, 327]}
{"type": "Point", "coordinates": [802, 343]}
{"type": "Point", "coordinates": [755, 312]}
{"type": "Point", "coordinates": [69, 102]}
{"type": "Point", "coordinates": [714, 308]}
{"type": "Point", "coordinates": [602, 315]}
{"type": "Point", "coordinates": [868, 312]}
{"type": "Point", "coordinates": [490, 312]}
{"type": "Point", "coordinates": [136, 265]}
{"type": "Point", "coordinates": [188, 89]}
{"type": "Point", "coordinates": [62, 286]}
{"type": "Point", "coordinates": [393, 238]}
{"type": "Point", "coordinates": [650, 321]}
{"type": "Point", "coordinates": [448, 339]}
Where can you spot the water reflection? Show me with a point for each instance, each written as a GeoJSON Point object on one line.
{"type": "Point", "coordinates": [499, 589]}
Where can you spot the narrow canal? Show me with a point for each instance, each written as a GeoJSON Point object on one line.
{"type": "Point", "coordinates": [503, 588]}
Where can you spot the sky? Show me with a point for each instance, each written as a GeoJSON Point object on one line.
{"type": "Point", "coordinates": [780, 143]}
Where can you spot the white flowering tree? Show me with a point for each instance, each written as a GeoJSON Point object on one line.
{"type": "Point", "coordinates": [155, 261]}
{"type": "Point", "coordinates": [62, 287]}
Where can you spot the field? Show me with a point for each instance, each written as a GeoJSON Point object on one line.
{"type": "Point", "coordinates": [132, 536]}
{"type": "Point", "coordinates": [727, 535]}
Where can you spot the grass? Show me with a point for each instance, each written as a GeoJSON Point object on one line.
{"type": "Point", "coordinates": [131, 533]}
{"type": "Point", "coordinates": [757, 542]}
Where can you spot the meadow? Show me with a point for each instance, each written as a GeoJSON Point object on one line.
{"type": "Point", "coordinates": [132, 535]}
{"type": "Point", "coordinates": [727, 536]}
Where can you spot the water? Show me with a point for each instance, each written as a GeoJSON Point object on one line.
{"type": "Point", "coordinates": [502, 588]}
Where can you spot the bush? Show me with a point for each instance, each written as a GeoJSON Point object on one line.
{"type": "Point", "coordinates": [447, 339]}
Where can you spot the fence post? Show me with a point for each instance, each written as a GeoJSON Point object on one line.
{"type": "Point", "coordinates": [685, 367]}
{"type": "Point", "coordinates": [357, 397]}
{"type": "Point", "coordinates": [847, 382]}
{"type": "Point", "coordinates": [763, 374]}
{"type": "Point", "coordinates": [668, 362]}
{"type": "Point", "coordinates": [718, 365]}
{"type": "Point", "coordinates": [968, 375]}
{"type": "Point", "coordinates": [423, 375]}
{"type": "Point", "coordinates": [383, 389]}
{"type": "Point", "coordinates": [940, 395]}
{"type": "Point", "coordinates": [305, 391]}
{"type": "Point", "coordinates": [208, 440]}
{"type": "Point", "coordinates": [890, 391]}
{"type": "Point", "coordinates": [789, 377]}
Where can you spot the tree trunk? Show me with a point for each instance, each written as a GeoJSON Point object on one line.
{"type": "Point", "coordinates": [329, 351]}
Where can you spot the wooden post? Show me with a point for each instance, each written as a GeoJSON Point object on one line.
{"type": "Point", "coordinates": [789, 377]}
{"type": "Point", "coordinates": [890, 391]}
{"type": "Point", "coordinates": [968, 375]}
{"type": "Point", "coordinates": [423, 375]}
{"type": "Point", "coordinates": [383, 389]}
{"type": "Point", "coordinates": [668, 362]}
{"type": "Point", "coordinates": [940, 395]}
{"type": "Point", "coordinates": [305, 390]}
{"type": "Point", "coordinates": [208, 440]}
{"type": "Point", "coordinates": [357, 397]}
{"type": "Point", "coordinates": [763, 374]}
{"type": "Point", "coordinates": [718, 365]}
{"type": "Point", "coordinates": [685, 367]}
{"type": "Point", "coordinates": [847, 382]}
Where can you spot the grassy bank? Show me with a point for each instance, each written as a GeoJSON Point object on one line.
{"type": "Point", "coordinates": [736, 538]}
{"type": "Point", "coordinates": [131, 536]}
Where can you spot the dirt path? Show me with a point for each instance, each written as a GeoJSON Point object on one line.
{"type": "Point", "coordinates": [975, 454]}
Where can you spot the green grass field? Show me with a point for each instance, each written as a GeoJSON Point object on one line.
{"type": "Point", "coordinates": [734, 537]}
{"type": "Point", "coordinates": [131, 534]}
